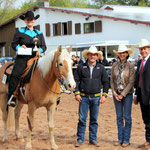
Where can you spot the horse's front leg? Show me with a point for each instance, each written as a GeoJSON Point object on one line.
{"type": "Point", "coordinates": [31, 110]}
{"type": "Point", "coordinates": [17, 116]}
{"type": "Point", "coordinates": [50, 116]}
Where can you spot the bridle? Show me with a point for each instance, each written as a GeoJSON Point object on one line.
{"type": "Point", "coordinates": [59, 74]}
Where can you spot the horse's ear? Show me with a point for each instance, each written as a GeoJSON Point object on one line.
{"type": "Point", "coordinates": [69, 49]}
{"type": "Point", "coordinates": [59, 48]}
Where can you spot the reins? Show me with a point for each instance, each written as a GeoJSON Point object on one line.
{"type": "Point", "coordinates": [46, 82]}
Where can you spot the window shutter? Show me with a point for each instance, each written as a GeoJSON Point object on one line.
{"type": "Point", "coordinates": [98, 26]}
{"type": "Point", "coordinates": [47, 27]}
{"type": "Point", "coordinates": [59, 28]}
{"type": "Point", "coordinates": [77, 28]}
{"type": "Point", "coordinates": [69, 27]}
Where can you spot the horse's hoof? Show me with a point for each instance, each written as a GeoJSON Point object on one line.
{"type": "Point", "coordinates": [54, 147]}
{"type": "Point", "coordinates": [22, 140]}
{"type": "Point", "coordinates": [28, 146]}
{"type": "Point", "coordinates": [19, 138]}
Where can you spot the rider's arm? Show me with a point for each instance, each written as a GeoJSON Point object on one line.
{"type": "Point", "coordinates": [16, 43]}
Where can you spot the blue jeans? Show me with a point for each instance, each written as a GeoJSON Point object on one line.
{"type": "Point", "coordinates": [92, 104]}
{"type": "Point", "coordinates": [123, 112]}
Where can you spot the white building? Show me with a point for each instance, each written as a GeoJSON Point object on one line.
{"type": "Point", "coordinates": [106, 27]}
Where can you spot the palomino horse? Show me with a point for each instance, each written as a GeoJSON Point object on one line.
{"type": "Point", "coordinates": [43, 90]}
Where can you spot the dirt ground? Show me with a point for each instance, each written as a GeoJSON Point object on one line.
{"type": "Point", "coordinates": [66, 119]}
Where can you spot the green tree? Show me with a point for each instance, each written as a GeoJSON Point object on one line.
{"type": "Point", "coordinates": [69, 3]}
{"type": "Point", "coordinates": [10, 12]}
{"type": "Point", "coordinates": [80, 4]}
{"type": "Point", "coordinates": [5, 5]}
{"type": "Point", "coordinates": [142, 3]}
{"type": "Point", "coordinates": [125, 2]}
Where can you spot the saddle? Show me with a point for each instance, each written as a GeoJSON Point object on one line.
{"type": "Point", "coordinates": [26, 76]}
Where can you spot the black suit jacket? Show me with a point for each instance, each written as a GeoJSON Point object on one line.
{"type": "Point", "coordinates": [145, 83]}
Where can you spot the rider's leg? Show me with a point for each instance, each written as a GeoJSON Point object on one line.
{"type": "Point", "coordinates": [20, 65]}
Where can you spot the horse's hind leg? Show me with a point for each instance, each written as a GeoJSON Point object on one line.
{"type": "Point", "coordinates": [17, 116]}
{"type": "Point", "coordinates": [50, 116]}
{"type": "Point", "coordinates": [4, 115]}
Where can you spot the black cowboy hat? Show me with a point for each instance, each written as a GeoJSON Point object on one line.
{"type": "Point", "coordinates": [29, 15]}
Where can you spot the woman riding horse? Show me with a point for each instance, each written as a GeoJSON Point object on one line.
{"type": "Point", "coordinates": [24, 38]}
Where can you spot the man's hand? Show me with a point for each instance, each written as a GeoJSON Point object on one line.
{"type": "Point", "coordinates": [135, 100]}
{"type": "Point", "coordinates": [102, 100]}
{"type": "Point", "coordinates": [78, 98]}
{"type": "Point", "coordinates": [23, 46]}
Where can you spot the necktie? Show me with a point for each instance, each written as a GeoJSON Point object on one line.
{"type": "Point", "coordinates": [142, 66]}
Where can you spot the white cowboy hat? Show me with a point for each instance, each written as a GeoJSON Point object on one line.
{"type": "Point", "coordinates": [121, 49]}
{"type": "Point", "coordinates": [92, 50]}
{"type": "Point", "coordinates": [143, 43]}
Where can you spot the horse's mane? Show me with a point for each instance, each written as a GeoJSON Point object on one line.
{"type": "Point", "coordinates": [45, 62]}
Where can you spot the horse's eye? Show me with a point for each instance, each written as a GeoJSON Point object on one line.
{"type": "Point", "coordinates": [60, 64]}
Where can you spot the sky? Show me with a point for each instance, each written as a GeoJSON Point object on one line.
{"type": "Point", "coordinates": [19, 3]}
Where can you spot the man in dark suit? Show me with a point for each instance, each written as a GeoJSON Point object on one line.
{"type": "Point", "coordinates": [142, 85]}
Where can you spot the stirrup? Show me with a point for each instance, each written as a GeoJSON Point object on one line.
{"type": "Point", "coordinates": [12, 101]}
{"type": "Point", "coordinates": [12, 104]}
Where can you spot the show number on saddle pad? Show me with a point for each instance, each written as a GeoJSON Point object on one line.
{"type": "Point", "coordinates": [24, 51]}
{"type": "Point", "coordinates": [4, 79]}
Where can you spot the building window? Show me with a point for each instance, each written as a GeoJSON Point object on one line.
{"type": "Point", "coordinates": [77, 28]}
{"type": "Point", "coordinates": [93, 27]}
{"type": "Point", "coordinates": [57, 29]}
{"type": "Point", "coordinates": [64, 28]}
{"type": "Point", "coordinates": [3, 51]}
{"type": "Point", "coordinates": [89, 27]}
{"type": "Point", "coordinates": [67, 28]}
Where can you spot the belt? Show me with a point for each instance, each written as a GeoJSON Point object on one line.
{"type": "Point", "coordinates": [90, 95]}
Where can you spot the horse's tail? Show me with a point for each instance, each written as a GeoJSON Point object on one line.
{"type": "Point", "coordinates": [11, 118]}
{"type": "Point", "coordinates": [3, 99]}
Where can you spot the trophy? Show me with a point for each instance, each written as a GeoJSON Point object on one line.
{"type": "Point", "coordinates": [35, 40]}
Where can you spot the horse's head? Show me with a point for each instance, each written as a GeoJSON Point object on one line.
{"type": "Point", "coordinates": [64, 67]}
